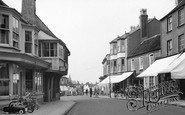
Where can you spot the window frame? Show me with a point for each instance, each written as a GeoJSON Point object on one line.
{"type": "Point", "coordinates": [181, 17]}
{"type": "Point", "coordinates": [4, 80]}
{"type": "Point", "coordinates": [6, 30]}
{"type": "Point", "coordinates": [169, 24]}
{"type": "Point", "coordinates": [28, 42]}
{"type": "Point", "coordinates": [169, 47]}
{"type": "Point", "coordinates": [15, 32]}
{"type": "Point", "coordinates": [132, 64]}
{"type": "Point", "coordinates": [151, 59]}
{"type": "Point", "coordinates": [181, 42]}
{"type": "Point", "coordinates": [141, 63]}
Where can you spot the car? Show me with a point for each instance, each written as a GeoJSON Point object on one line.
{"type": "Point", "coordinates": [15, 108]}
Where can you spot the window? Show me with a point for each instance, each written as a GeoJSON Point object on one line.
{"type": "Point", "coordinates": [169, 24]}
{"type": "Point", "coordinates": [151, 81]}
{"type": "Point", "coordinates": [141, 62]}
{"type": "Point", "coordinates": [169, 47]}
{"type": "Point", "coordinates": [123, 64]}
{"type": "Point", "coordinates": [151, 59]}
{"type": "Point", "coordinates": [111, 48]}
{"type": "Point", "coordinates": [28, 42]}
{"type": "Point", "coordinates": [48, 49]}
{"type": "Point", "coordinates": [4, 79]}
{"type": "Point", "coordinates": [36, 44]}
{"type": "Point", "coordinates": [15, 33]}
{"type": "Point", "coordinates": [15, 79]}
{"type": "Point", "coordinates": [181, 18]}
{"type": "Point", "coordinates": [4, 29]}
{"type": "Point", "coordinates": [115, 66]}
{"type": "Point", "coordinates": [181, 42]}
{"type": "Point", "coordinates": [38, 81]}
{"type": "Point", "coordinates": [122, 45]}
{"type": "Point", "coordinates": [132, 65]}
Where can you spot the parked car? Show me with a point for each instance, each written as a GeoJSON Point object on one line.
{"type": "Point", "coordinates": [15, 108]}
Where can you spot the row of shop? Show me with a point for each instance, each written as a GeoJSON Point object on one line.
{"type": "Point", "coordinates": [164, 69]}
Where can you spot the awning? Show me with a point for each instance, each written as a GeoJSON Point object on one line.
{"type": "Point", "coordinates": [158, 66]}
{"type": "Point", "coordinates": [116, 78]}
{"type": "Point", "coordinates": [177, 68]}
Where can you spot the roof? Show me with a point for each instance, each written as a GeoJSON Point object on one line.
{"type": "Point", "coordinates": [43, 27]}
{"type": "Point", "coordinates": [182, 3]}
{"type": "Point", "coordinates": [149, 45]}
{"type": "Point", "coordinates": [2, 3]}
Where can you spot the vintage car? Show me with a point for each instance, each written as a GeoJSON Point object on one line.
{"type": "Point", "coordinates": [15, 108]}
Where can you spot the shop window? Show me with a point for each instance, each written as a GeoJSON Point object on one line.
{"type": "Point", "coordinates": [38, 82]}
{"type": "Point", "coordinates": [4, 79]}
{"type": "Point", "coordinates": [15, 79]}
{"type": "Point", "coordinates": [29, 81]}
{"type": "Point", "coordinates": [151, 81]}
{"type": "Point", "coordinates": [4, 29]}
{"type": "Point", "coordinates": [15, 33]}
{"type": "Point", "coordinates": [28, 42]}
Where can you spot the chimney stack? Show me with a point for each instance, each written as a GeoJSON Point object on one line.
{"type": "Point", "coordinates": [143, 24]}
{"type": "Point", "coordinates": [29, 10]}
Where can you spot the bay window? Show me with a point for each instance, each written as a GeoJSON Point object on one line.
{"type": "Point", "coordinates": [28, 42]}
{"type": "Point", "coordinates": [4, 29]}
{"type": "Point", "coordinates": [48, 49]}
{"type": "Point", "coordinates": [15, 33]}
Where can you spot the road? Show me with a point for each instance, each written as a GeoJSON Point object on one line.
{"type": "Point", "coordinates": [103, 106]}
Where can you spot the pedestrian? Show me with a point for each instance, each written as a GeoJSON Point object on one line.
{"type": "Point", "coordinates": [90, 92]}
{"type": "Point", "coordinates": [86, 92]}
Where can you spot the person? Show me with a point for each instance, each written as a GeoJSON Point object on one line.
{"type": "Point", "coordinates": [86, 92]}
{"type": "Point", "coordinates": [90, 92]}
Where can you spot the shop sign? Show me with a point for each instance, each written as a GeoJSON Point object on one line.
{"type": "Point", "coordinates": [154, 97]}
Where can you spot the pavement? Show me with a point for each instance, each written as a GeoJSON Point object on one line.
{"type": "Point", "coordinates": [64, 105]}
{"type": "Point", "coordinates": [60, 107]}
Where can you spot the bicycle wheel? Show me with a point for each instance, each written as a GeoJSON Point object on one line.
{"type": "Point", "coordinates": [132, 105]}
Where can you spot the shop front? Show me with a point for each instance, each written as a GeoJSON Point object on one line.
{"type": "Point", "coordinates": [21, 74]}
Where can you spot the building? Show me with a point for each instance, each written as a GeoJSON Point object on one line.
{"type": "Point", "coordinates": [173, 39]}
{"type": "Point", "coordinates": [32, 58]}
{"type": "Point", "coordinates": [144, 47]}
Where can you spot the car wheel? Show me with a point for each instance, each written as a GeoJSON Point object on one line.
{"type": "Point", "coordinates": [21, 111]}
{"type": "Point", "coordinates": [30, 110]}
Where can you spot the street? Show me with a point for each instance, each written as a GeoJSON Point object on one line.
{"type": "Point", "coordinates": [106, 106]}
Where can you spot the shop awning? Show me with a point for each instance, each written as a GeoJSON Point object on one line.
{"type": "Point", "coordinates": [177, 68]}
{"type": "Point", "coordinates": [158, 66]}
{"type": "Point", "coordinates": [116, 78]}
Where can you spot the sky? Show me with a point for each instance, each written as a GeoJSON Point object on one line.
{"type": "Point", "coordinates": [87, 27]}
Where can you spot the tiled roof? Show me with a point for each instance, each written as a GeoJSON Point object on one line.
{"type": "Point", "coordinates": [175, 9]}
{"type": "Point", "coordinates": [149, 45]}
{"type": "Point", "coordinates": [43, 27]}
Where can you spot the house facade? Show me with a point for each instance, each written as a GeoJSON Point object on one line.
{"type": "Point", "coordinates": [173, 38]}
{"type": "Point", "coordinates": [23, 68]}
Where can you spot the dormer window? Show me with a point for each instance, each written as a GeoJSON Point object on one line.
{"type": "Point", "coordinates": [4, 29]}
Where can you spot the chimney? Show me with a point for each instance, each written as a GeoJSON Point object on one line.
{"type": "Point", "coordinates": [29, 10]}
{"type": "Point", "coordinates": [143, 24]}
{"type": "Point", "coordinates": [177, 2]}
